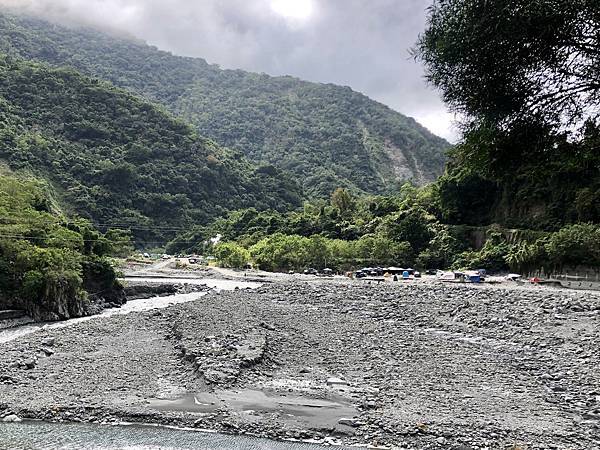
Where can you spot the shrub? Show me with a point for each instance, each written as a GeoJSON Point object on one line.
{"type": "Point", "coordinates": [231, 255]}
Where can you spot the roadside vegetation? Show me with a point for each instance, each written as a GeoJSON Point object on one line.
{"type": "Point", "coordinates": [405, 230]}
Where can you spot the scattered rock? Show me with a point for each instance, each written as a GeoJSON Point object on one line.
{"type": "Point", "coordinates": [350, 422]}
{"type": "Point", "coordinates": [334, 381]}
{"type": "Point", "coordinates": [29, 363]}
{"type": "Point", "coordinates": [48, 342]}
{"type": "Point", "coordinates": [12, 418]}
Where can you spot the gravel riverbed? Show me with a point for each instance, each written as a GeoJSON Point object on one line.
{"type": "Point", "coordinates": [414, 365]}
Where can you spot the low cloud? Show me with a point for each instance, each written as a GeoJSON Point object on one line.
{"type": "Point", "coordinates": [364, 45]}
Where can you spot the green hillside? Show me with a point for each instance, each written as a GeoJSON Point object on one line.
{"type": "Point", "coordinates": [121, 161]}
{"type": "Point", "coordinates": [51, 266]}
{"type": "Point", "coordinates": [326, 135]}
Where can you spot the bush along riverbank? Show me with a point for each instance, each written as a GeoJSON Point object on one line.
{"type": "Point", "coordinates": [406, 230]}
{"type": "Point", "coordinates": [51, 266]}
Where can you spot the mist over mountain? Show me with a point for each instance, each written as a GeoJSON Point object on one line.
{"type": "Point", "coordinates": [345, 42]}
{"type": "Point", "coordinates": [325, 135]}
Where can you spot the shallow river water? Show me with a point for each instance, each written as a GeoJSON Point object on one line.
{"type": "Point", "coordinates": [135, 305]}
{"type": "Point", "coordinates": [42, 436]}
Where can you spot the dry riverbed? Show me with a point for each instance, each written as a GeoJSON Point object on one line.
{"type": "Point", "coordinates": [421, 365]}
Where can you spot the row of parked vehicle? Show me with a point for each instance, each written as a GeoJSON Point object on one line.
{"type": "Point", "coordinates": [381, 271]}
{"type": "Point", "coordinates": [327, 272]}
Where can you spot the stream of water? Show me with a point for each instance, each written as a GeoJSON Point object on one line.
{"type": "Point", "coordinates": [69, 436]}
{"type": "Point", "coordinates": [135, 305]}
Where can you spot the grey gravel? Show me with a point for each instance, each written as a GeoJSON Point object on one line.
{"type": "Point", "coordinates": [423, 365]}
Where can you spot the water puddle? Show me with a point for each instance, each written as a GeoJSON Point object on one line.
{"type": "Point", "coordinates": [131, 306]}
{"type": "Point", "coordinates": [69, 436]}
{"type": "Point", "coordinates": [306, 411]}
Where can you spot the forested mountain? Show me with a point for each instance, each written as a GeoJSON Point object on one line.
{"type": "Point", "coordinates": [120, 160]}
{"type": "Point", "coordinates": [326, 135]}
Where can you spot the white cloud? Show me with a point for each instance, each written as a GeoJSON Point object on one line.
{"type": "Point", "coordinates": [362, 44]}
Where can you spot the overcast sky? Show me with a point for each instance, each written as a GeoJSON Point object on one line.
{"type": "Point", "coordinates": [360, 43]}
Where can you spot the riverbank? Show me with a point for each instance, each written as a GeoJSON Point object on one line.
{"type": "Point", "coordinates": [421, 365]}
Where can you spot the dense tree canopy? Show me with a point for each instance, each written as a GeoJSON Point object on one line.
{"type": "Point", "coordinates": [505, 61]}
{"type": "Point", "coordinates": [50, 265]}
{"type": "Point", "coordinates": [403, 230]}
{"type": "Point", "coordinates": [525, 75]}
{"type": "Point", "coordinates": [325, 135]}
{"type": "Point", "coordinates": [122, 161]}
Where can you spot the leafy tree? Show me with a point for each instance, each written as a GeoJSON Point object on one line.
{"type": "Point", "coordinates": [342, 201]}
{"type": "Point", "coordinates": [524, 76]}
{"type": "Point", "coordinates": [388, 252]}
{"type": "Point", "coordinates": [442, 250]}
{"type": "Point", "coordinates": [45, 257]}
{"type": "Point", "coordinates": [119, 242]}
{"type": "Point", "coordinates": [509, 60]}
{"type": "Point", "coordinates": [318, 252]}
{"type": "Point", "coordinates": [231, 255]}
{"type": "Point", "coordinates": [573, 245]}
{"type": "Point", "coordinates": [411, 226]}
{"type": "Point", "coordinates": [281, 252]}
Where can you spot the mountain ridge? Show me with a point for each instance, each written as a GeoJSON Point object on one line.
{"type": "Point", "coordinates": [326, 135]}
{"type": "Point", "coordinates": [121, 160]}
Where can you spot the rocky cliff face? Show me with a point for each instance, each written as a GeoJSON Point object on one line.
{"type": "Point", "coordinates": [60, 300]}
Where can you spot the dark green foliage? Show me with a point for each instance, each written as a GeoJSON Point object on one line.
{"type": "Point", "coordinates": [342, 201]}
{"type": "Point", "coordinates": [121, 161]}
{"type": "Point", "coordinates": [410, 225]}
{"type": "Point", "coordinates": [574, 245]}
{"type": "Point", "coordinates": [443, 248]}
{"type": "Point", "coordinates": [325, 135]}
{"type": "Point", "coordinates": [404, 230]}
{"type": "Point", "coordinates": [528, 177]}
{"type": "Point", "coordinates": [46, 259]}
{"type": "Point", "coordinates": [524, 74]}
{"type": "Point", "coordinates": [466, 199]}
{"type": "Point", "coordinates": [344, 233]}
{"type": "Point", "coordinates": [506, 61]}
{"type": "Point", "coordinates": [492, 256]}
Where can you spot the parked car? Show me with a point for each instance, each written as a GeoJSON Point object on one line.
{"type": "Point", "coordinates": [311, 271]}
